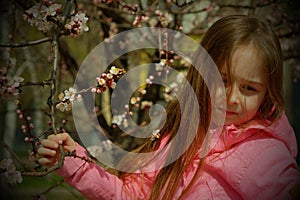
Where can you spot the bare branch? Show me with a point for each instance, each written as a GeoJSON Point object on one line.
{"type": "Point", "coordinates": [191, 10]}
{"type": "Point", "coordinates": [267, 3]}
{"type": "Point", "coordinates": [13, 154]}
{"type": "Point", "coordinates": [19, 6]}
{"type": "Point", "coordinates": [53, 83]}
{"type": "Point", "coordinates": [48, 170]}
{"type": "Point", "coordinates": [42, 83]}
{"type": "Point", "coordinates": [28, 127]}
{"type": "Point", "coordinates": [58, 165]}
{"type": "Point", "coordinates": [58, 183]}
{"type": "Point", "coordinates": [24, 44]}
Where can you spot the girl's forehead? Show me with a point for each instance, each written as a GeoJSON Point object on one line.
{"type": "Point", "coordinates": [245, 63]}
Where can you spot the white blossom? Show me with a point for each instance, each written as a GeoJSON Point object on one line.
{"type": "Point", "coordinates": [145, 104]}
{"type": "Point", "coordinates": [8, 171]}
{"type": "Point", "coordinates": [117, 119]}
{"type": "Point", "coordinates": [114, 70]}
{"type": "Point", "coordinates": [37, 15]}
{"type": "Point", "coordinates": [107, 144]}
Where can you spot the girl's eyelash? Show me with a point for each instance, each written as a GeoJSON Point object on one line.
{"type": "Point", "coordinates": [247, 87]}
{"type": "Point", "coordinates": [250, 88]}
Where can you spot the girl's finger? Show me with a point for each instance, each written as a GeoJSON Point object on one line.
{"type": "Point", "coordinates": [65, 137]}
{"type": "Point", "coordinates": [46, 162]}
{"type": "Point", "coordinates": [55, 138]}
{"type": "Point", "coordinates": [47, 143]}
{"type": "Point", "coordinates": [69, 143]}
{"type": "Point", "coordinates": [46, 152]}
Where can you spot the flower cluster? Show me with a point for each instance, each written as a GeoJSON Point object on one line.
{"type": "Point", "coordinates": [160, 69]}
{"type": "Point", "coordinates": [46, 15]}
{"type": "Point", "coordinates": [8, 172]}
{"type": "Point", "coordinates": [113, 30]}
{"type": "Point", "coordinates": [161, 19]}
{"type": "Point", "coordinates": [139, 19]}
{"type": "Point", "coordinates": [108, 80]}
{"type": "Point", "coordinates": [137, 102]}
{"type": "Point", "coordinates": [77, 24]}
{"type": "Point", "coordinates": [169, 92]}
{"type": "Point", "coordinates": [66, 99]}
{"type": "Point", "coordinates": [40, 13]}
{"type": "Point", "coordinates": [27, 128]}
{"type": "Point", "coordinates": [120, 120]}
{"type": "Point", "coordinates": [155, 135]}
{"type": "Point", "coordinates": [9, 84]}
{"type": "Point", "coordinates": [96, 150]}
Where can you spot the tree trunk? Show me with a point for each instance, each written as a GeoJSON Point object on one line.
{"type": "Point", "coordinates": [9, 126]}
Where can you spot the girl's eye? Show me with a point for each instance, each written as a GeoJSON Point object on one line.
{"type": "Point", "coordinates": [249, 88]}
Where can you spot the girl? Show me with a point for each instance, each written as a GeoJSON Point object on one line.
{"type": "Point", "coordinates": [253, 158]}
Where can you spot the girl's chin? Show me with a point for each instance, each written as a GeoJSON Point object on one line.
{"type": "Point", "coordinates": [232, 122]}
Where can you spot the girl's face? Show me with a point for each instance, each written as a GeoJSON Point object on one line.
{"type": "Point", "coordinates": [246, 89]}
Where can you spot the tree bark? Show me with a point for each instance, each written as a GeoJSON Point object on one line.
{"type": "Point", "coordinates": [9, 126]}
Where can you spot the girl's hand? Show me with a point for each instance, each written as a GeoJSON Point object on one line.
{"type": "Point", "coordinates": [50, 151]}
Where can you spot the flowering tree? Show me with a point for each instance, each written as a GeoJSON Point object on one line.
{"type": "Point", "coordinates": [43, 43]}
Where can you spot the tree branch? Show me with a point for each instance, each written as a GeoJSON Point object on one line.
{"type": "Point", "coordinates": [262, 4]}
{"type": "Point", "coordinates": [13, 154]}
{"type": "Point", "coordinates": [58, 183]}
{"type": "Point", "coordinates": [42, 83]}
{"type": "Point", "coordinates": [24, 44]}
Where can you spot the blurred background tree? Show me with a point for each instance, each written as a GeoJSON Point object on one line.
{"type": "Point", "coordinates": [43, 44]}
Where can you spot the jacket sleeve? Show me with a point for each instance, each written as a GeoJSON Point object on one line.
{"type": "Point", "coordinates": [271, 175]}
{"type": "Point", "coordinates": [90, 179]}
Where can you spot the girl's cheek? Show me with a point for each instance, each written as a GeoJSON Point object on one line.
{"type": "Point", "coordinates": [220, 96]}
{"type": "Point", "coordinates": [219, 106]}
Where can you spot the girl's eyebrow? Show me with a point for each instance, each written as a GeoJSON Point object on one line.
{"type": "Point", "coordinates": [253, 82]}
{"type": "Point", "coordinates": [245, 80]}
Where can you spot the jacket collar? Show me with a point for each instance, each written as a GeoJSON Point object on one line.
{"type": "Point", "coordinates": [280, 130]}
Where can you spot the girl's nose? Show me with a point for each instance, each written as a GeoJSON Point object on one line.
{"type": "Point", "coordinates": [233, 96]}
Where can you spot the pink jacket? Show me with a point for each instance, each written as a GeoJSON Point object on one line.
{"type": "Point", "coordinates": [259, 164]}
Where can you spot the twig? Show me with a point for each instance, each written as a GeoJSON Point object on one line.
{"type": "Point", "coordinates": [248, 6]}
{"type": "Point", "coordinates": [50, 188]}
{"type": "Point", "coordinates": [42, 83]}
{"type": "Point", "coordinates": [48, 170]}
{"type": "Point", "coordinates": [28, 127]}
{"type": "Point", "coordinates": [52, 93]}
{"type": "Point", "coordinates": [74, 155]}
{"type": "Point", "coordinates": [190, 10]}
{"type": "Point", "coordinates": [20, 7]}
{"type": "Point", "coordinates": [24, 44]}
{"type": "Point", "coordinates": [52, 115]}
{"type": "Point", "coordinates": [13, 154]}
{"type": "Point", "coordinates": [53, 83]}
{"type": "Point", "coordinates": [58, 165]}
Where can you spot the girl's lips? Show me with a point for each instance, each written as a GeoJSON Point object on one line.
{"type": "Point", "coordinates": [229, 112]}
